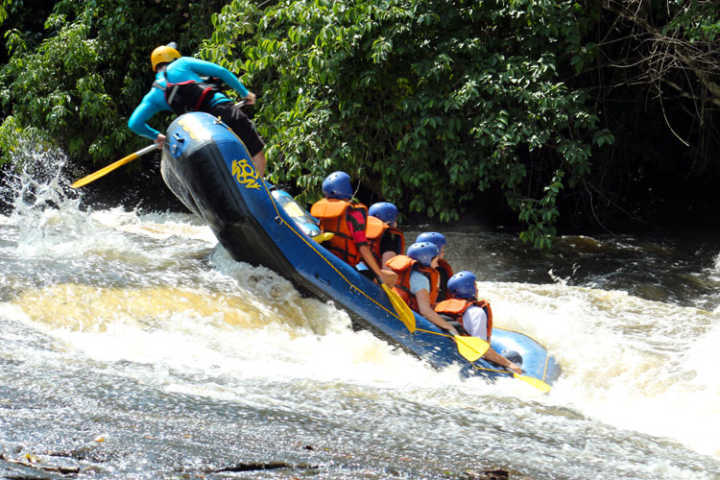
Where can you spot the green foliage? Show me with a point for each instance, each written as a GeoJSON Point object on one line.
{"type": "Point", "coordinates": [426, 103]}
{"type": "Point", "coordinates": [3, 10]}
{"type": "Point", "coordinates": [699, 21]}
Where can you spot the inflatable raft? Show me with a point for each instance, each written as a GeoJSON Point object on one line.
{"type": "Point", "coordinates": [209, 169]}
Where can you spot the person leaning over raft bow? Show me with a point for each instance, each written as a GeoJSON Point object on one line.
{"type": "Point", "coordinates": [179, 87]}
{"type": "Point", "coordinates": [418, 281]}
{"type": "Point", "coordinates": [443, 267]}
{"type": "Point", "coordinates": [347, 221]}
{"type": "Point", "coordinates": [473, 315]}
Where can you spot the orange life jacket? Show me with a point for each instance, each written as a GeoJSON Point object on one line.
{"type": "Point", "coordinates": [445, 271]}
{"type": "Point", "coordinates": [331, 213]}
{"type": "Point", "coordinates": [376, 228]}
{"type": "Point", "coordinates": [404, 266]}
{"type": "Point", "coordinates": [456, 307]}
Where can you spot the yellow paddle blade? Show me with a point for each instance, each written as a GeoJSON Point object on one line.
{"type": "Point", "coordinates": [323, 237]}
{"type": "Point", "coordinates": [401, 308]}
{"type": "Point", "coordinates": [105, 170]}
{"type": "Point", "coordinates": [471, 348]}
{"type": "Point", "coordinates": [535, 382]}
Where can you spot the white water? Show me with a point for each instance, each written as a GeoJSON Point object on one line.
{"type": "Point", "coordinates": [628, 362]}
{"type": "Point", "coordinates": [162, 305]}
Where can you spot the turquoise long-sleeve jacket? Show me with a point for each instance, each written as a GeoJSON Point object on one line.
{"type": "Point", "coordinates": [180, 70]}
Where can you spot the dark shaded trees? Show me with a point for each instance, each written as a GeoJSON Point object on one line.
{"type": "Point", "coordinates": [653, 69]}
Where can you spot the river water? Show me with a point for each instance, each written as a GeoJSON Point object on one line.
{"type": "Point", "coordinates": [131, 346]}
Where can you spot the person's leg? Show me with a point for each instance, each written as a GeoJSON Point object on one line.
{"type": "Point", "coordinates": [259, 162]}
{"type": "Point", "coordinates": [236, 119]}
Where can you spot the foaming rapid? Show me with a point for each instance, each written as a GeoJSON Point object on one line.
{"type": "Point", "coordinates": [161, 291]}
{"type": "Point", "coordinates": [715, 274]}
{"type": "Point", "coordinates": [44, 209]}
{"type": "Point", "coordinates": [632, 363]}
{"type": "Point", "coordinates": [241, 323]}
{"type": "Point", "coordinates": [47, 221]}
{"type": "Point", "coordinates": [152, 298]}
{"type": "Point", "coordinates": [36, 182]}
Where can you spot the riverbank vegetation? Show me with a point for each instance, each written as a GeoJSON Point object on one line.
{"type": "Point", "coordinates": [544, 114]}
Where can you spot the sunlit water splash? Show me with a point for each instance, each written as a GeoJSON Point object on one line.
{"type": "Point", "coordinates": [149, 298]}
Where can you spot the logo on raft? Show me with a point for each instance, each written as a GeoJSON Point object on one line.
{"type": "Point", "coordinates": [245, 173]}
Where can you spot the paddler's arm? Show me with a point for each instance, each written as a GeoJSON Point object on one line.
{"type": "Point", "coordinates": [210, 69]}
{"type": "Point", "coordinates": [388, 277]}
{"type": "Point", "coordinates": [423, 300]}
{"type": "Point", "coordinates": [475, 323]}
{"type": "Point", "coordinates": [495, 357]}
{"type": "Point", "coordinates": [147, 108]}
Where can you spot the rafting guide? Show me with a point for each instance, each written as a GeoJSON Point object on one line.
{"type": "Point", "coordinates": [179, 86]}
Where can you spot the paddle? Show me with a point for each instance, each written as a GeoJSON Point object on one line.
{"type": "Point", "coordinates": [323, 237]}
{"type": "Point", "coordinates": [535, 382]}
{"type": "Point", "coordinates": [471, 348]}
{"type": "Point", "coordinates": [401, 308]}
{"type": "Point", "coordinates": [105, 170]}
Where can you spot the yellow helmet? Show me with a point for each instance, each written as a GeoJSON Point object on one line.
{"type": "Point", "coordinates": [163, 54]}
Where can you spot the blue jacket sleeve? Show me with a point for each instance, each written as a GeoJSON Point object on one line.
{"type": "Point", "coordinates": [144, 112]}
{"type": "Point", "coordinates": [210, 69]}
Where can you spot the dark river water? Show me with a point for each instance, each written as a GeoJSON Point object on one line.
{"type": "Point", "coordinates": [131, 346]}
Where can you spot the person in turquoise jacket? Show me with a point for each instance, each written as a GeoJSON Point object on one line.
{"type": "Point", "coordinates": [180, 87]}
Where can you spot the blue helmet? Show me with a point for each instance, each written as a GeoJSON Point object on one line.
{"type": "Point", "coordinates": [462, 285]}
{"type": "Point", "coordinates": [337, 185]}
{"type": "Point", "coordinates": [435, 237]}
{"type": "Point", "coordinates": [423, 252]}
{"type": "Point", "coordinates": [385, 211]}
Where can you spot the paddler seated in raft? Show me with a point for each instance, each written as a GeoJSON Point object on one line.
{"type": "Point", "coordinates": [347, 221]}
{"type": "Point", "coordinates": [386, 239]}
{"type": "Point", "coordinates": [418, 281]}
{"type": "Point", "coordinates": [471, 315]}
{"type": "Point", "coordinates": [443, 267]}
{"type": "Point", "coordinates": [179, 87]}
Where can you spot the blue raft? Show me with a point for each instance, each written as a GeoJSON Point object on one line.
{"type": "Point", "coordinates": [209, 169]}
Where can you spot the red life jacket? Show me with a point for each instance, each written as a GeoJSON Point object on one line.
{"type": "Point", "coordinates": [376, 228]}
{"type": "Point", "coordinates": [404, 266]}
{"type": "Point", "coordinates": [455, 308]}
{"type": "Point", "coordinates": [332, 215]}
{"type": "Point", "coordinates": [445, 271]}
{"type": "Point", "coordinates": [188, 96]}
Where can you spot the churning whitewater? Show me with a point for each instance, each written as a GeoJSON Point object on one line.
{"type": "Point", "coordinates": [133, 345]}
